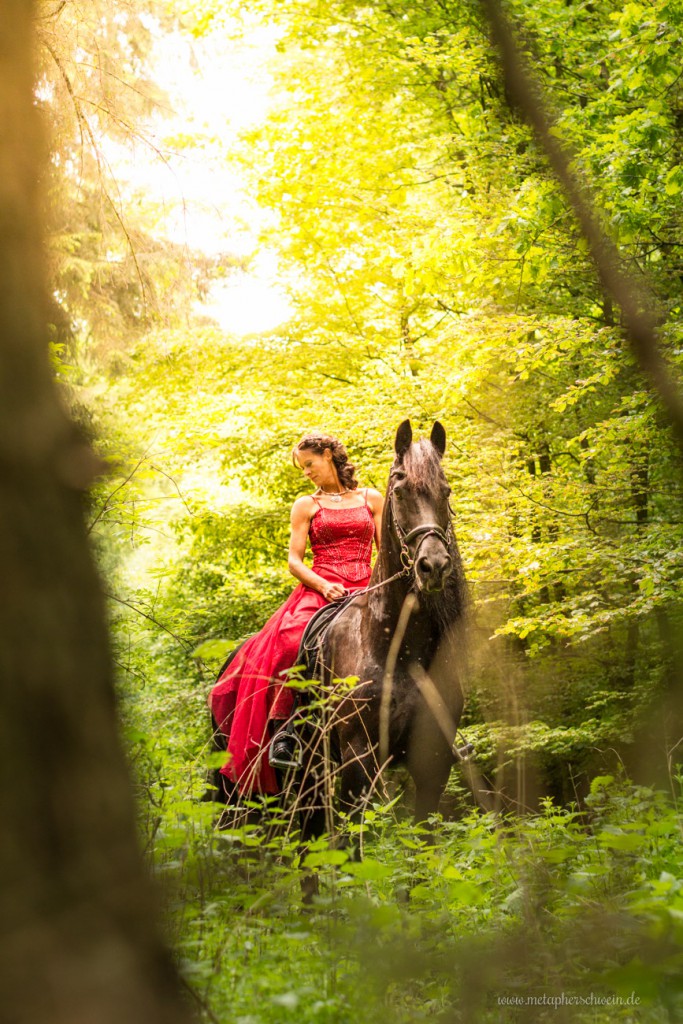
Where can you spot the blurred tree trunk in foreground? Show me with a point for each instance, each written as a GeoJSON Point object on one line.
{"type": "Point", "coordinates": [79, 939]}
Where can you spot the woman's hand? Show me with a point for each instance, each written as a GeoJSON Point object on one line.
{"type": "Point", "coordinates": [332, 591]}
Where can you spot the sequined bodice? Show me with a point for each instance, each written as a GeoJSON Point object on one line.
{"type": "Point", "coordinates": [341, 539]}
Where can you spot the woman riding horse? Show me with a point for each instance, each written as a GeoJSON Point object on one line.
{"type": "Point", "coordinates": [404, 641]}
{"type": "Point", "coordinates": [249, 701]}
{"type": "Point", "coordinates": [400, 633]}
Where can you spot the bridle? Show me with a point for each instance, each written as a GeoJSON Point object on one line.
{"type": "Point", "coordinates": [405, 538]}
{"type": "Point", "coordinates": [419, 533]}
{"type": "Point", "coordinates": [408, 558]}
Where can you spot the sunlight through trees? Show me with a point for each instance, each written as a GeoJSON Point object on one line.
{"type": "Point", "coordinates": [270, 218]}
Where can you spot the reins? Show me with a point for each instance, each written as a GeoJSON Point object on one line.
{"type": "Point", "coordinates": [407, 560]}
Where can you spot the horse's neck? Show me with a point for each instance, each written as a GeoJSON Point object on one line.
{"type": "Point", "coordinates": [388, 566]}
{"type": "Point", "coordinates": [387, 601]}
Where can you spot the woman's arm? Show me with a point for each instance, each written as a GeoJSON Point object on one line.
{"type": "Point", "coordinates": [301, 521]}
{"type": "Point", "coordinates": [376, 503]}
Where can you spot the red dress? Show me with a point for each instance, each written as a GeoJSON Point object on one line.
{"type": "Point", "coordinates": [250, 691]}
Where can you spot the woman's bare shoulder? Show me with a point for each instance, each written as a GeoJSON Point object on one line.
{"type": "Point", "coordinates": [375, 498]}
{"type": "Point", "coordinates": [303, 507]}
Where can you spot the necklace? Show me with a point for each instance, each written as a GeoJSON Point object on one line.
{"type": "Point", "coordinates": [333, 495]}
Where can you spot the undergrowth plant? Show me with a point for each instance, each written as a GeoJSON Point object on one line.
{"type": "Point", "coordinates": [571, 913]}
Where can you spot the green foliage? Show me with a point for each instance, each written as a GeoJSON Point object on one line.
{"type": "Point", "coordinates": [433, 271]}
{"type": "Point", "coordinates": [558, 902]}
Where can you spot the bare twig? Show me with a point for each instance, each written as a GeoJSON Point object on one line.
{"type": "Point", "coordinates": [388, 678]}
{"type": "Point", "coordinates": [444, 720]}
{"type": "Point", "coordinates": [150, 618]}
{"type": "Point", "coordinates": [85, 129]}
{"type": "Point", "coordinates": [172, 480]}
{"type": "Point", "coordinates": [106, 503]}
{"type": "Point", "coordinates": [200, 1001]}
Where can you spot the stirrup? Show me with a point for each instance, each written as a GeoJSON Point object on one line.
{"type": "Point", "coordinates": [464, 753]}
{"type": "Point", "coordinates": [293, 760]}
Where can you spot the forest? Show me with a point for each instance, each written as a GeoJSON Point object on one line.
{"type": "Point", "coordinates": [262, 219]}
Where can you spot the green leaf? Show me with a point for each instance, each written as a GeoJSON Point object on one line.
{"type": "Point", "coordinates": [368, 870]}
{"type": "Point", "coordinates": [325, 858]}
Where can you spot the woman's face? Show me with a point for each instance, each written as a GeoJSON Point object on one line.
{"type": "Point", "coordinates": [317, 468]}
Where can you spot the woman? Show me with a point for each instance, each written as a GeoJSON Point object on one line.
{"type": "Point", "coordinates": [341, 520]}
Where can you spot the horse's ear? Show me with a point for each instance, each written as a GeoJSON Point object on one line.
{"type": "Point", "coordinates": [438, 438]}
{"type": "Point", "coordinates": [404, 437]}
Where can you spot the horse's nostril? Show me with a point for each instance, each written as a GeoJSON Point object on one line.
{"type": "Point", "coordinates": [435, 568]}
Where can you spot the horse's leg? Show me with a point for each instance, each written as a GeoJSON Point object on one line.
{"type": "Point", "coordinates": [430, 759]}
{"type": "Point", "coordinates": [359, 775]}
{"type": "Point", "coordinates": [429, 786]}
{"type": "Point", "coordinates": [221, 790]}
{"type": "Point", "coordinates": [313, 821]}
{"type": "Point", "coordinates": [437, 714]}
{"type": "Point", "coordinates": [312, 807]}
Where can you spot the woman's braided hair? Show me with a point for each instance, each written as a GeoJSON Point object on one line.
{"type": "Point", "coordinates": [317, 443]}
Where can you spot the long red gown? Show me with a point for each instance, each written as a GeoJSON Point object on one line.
{"type": "Point", "coordinates": [250, 691]}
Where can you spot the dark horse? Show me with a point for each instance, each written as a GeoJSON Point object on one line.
{"type": "Point", "coordinates": [403, 640]}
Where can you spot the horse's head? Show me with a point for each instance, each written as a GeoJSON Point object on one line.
{"type": "Point", "coordinates": [418, 506]}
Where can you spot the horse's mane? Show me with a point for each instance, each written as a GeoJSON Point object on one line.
{"type": "Point", "coordinates": [422, 466]}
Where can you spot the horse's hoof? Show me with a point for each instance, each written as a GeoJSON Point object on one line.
{"type": "Point", "coordinates": [465, 753]}
{"type": "Point", "coordinates": [310, 888]}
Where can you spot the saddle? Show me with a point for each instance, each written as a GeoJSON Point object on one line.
{"type": "Point", "coordinates": [286, 749]}
{"type": "Point", "coordinates": [310, 648]}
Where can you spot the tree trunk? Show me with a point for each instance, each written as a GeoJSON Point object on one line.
{"type": "Point", "coordinates": [79, 934]}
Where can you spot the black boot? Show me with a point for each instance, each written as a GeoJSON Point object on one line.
{"type": "Point", "coordinates": [285, 749]}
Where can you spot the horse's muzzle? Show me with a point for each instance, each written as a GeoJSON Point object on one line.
{"type": "Point", "coordinates": [432, 566]}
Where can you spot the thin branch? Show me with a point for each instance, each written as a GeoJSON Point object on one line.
{"type": "Point", "coordinates": [173, 481]}
{"type": "Point", "coordinates": [332, 376]}
{"type": "Point", "coordinates": [69, 88]}
{"type": "Point", "coordinates": [484, 416]}
{"type": "Point", "coordinates": [83, 124]}
{"type": "Point", "coordinates": [123, 82]}
{"type": "Point", "coordinates": [200, 1001]}
{"type": "Point", "coordinates": [106, 506]}
{"type": "Point", "coordinates": [549, 508]}
{"type": "Point", "coordinates": [150, 618]}
{"type": "Point", "coordinates": [52, 14]}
